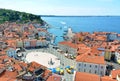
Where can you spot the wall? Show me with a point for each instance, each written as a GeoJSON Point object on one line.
{"type": "Point", "coordinates": [91, 68]}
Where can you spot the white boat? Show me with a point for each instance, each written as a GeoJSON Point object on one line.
{"type": "Point", "coordinates": [63, 22]}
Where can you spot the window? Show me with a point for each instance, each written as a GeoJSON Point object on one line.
{"type": "Point", "coordinates": [95, 66]}
{"type": "Point", "coordinates": [90, 65]}
{"type": "Point", "coordinates": [89, 71]}
{"type": "Point", "coordinates": [79, 64]}
{"type": "Point", "coordinates": [101, 73]}
{"type": "Point", "coordinates": [84, 70]}
{"type": "Point", "coordinates": [101, 67]}
{"type": "Point", "coordinates": [85, 65]}
{"type": "Point", "coordinates": [95, 71]}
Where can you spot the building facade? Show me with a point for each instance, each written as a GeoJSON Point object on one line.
{"type": "Point", "coordinates": [117, 57]}
{"type": "Point", "coordinates": [68, 47]}
{"type": "Point", "coordinates": [11, 52]}
{"type": "Point", "coordinates": [92, 68]}
{"type": "Point", "coordinates": [91, 64]}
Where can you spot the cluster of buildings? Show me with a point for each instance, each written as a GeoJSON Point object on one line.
{"type": "Point", "coordinates": [92, 50]}
{"type": "Point", "coordinates": [13, 36]}
{"type": "Point", "coordinates": [13, 39]}
{"type": "Point", "coordinates": [14, 70]}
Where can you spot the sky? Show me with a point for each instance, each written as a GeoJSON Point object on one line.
{"type": "Point", "coordinates": [64, 7]}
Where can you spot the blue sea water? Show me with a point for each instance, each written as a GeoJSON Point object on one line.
{"type": "Point", "coordinates": [82, 23]}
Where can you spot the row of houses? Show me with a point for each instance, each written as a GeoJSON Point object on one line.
{"type": "Point", "coordinates": [27, 43]}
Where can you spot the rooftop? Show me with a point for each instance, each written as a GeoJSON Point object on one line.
{"type": "Point", "coordinates": [107, 78]}
{"type": "Point", "coordinates": [81, 76]}
{"type": "Point", "coordinates": [54, 77]}
{"type": "Point", "coordinates": [90, 59]}
{"type": "Point", "coordinates": [114, 73]}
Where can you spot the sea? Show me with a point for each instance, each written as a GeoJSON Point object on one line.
{"type": "Point", "coordinates": [59, 24]}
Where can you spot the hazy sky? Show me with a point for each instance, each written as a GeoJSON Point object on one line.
{"type": "Point", "coordinates": [64, 7]}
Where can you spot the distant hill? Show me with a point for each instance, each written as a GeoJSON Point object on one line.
{"type": "Point", "coordinates": [20, 17]}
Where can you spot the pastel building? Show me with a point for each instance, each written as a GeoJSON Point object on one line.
{"type": "Point", "coordinates": [11, 52]}
{"type": "Point", "coordinates": [41, 32]}
{"type": "Point", "coordinates": [44, 43]}
{"type": "Point", "coordinates": [2, 45]}
{"type": "Point", "coordinates": [107, 55]}
{"type": "Point", "coordinates": [26, 43]}
{"type": "Point", "coordinates": [33, 43]}
{"type": "Point", "coordinates": [68, 47]}
{"type": "Point", "coordinates": [19, 43]}
{"type": "Point", "coordinates": [91, 64]}
{"type": "Point", "coordinates": [1, 33]}
{"type": "Point", "coordinates": [38, 43]}
{"type": "Point", "coordinates": [113, 36]}
{"type": "Point", "coordinates": [117, 57]}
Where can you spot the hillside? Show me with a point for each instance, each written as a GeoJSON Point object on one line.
{"type": "Point", "coordinates": [20, 17]}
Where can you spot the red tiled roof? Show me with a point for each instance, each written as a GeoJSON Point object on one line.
{"type": "Point", "coordinates": [46, 73]}
{"type": "Point", "coordinates": [101, 38]}
{"type": "Point", "coordinates": [81, 76]}
{"type": "Point", "coordinates": [107, 78]}
{"type": "Point", "coordinates": [95, 51]}
{"type": "Point", "coordinates": [90, 59]}
{"type": "Point", "coordinates": [54, 77]}
{"type": "Point", "coordinates": [69, 43]}
{"type": "Point", "coordinates": [114, 73]}
{"type": "Point", "coordinates": [9, 74]}
{"type": "Point", "coordinates": [4, 79]}
{"type": "Point", "coordinates": [2, 52]}
{"type": "Point", "coordinates": [11, 43]}
{"type": "Point", "coordinates": [17, 67]}
{"type": "Point", "coordinates": [34, 65]}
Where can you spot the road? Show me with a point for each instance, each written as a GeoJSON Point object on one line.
{"type": "Point", "coordinates": [115, 65]}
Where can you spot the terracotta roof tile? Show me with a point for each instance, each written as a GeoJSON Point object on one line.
{"type": "Point", "coordinates": [46, 73]}
{"type": "Point", "coordinates": [17, 67]}
{"type": "Point", "coordinates": [90, 59]}
{"type": "Point", "coordinates": [107, 78]}
{"type": "Point", "coordinates": [34, 65]}
{"type": "Point", "coordinates": [54, 77]}
{"type": "Point", "coordinates": [69, 43]}
{"type": "Point", "coordinates": [9, 74]}
{"type": "Point", "coordinates": [11, 43]}
{"type": "Point", "coordinates": [81, 76]}
{"type": "Point", "coordinates": [114, 73]}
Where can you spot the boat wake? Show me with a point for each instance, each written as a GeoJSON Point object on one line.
{"type": "Point", "coordinates": [62, 22]}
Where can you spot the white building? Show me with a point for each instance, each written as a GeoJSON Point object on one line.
{"type": "Point", "coordinates": [68, 47]}
{"type": "Point", "coordinates": [1, 33]}
{"type": "Point", "coordinates": [117, 57]}
{"type": "Point", "coordinates": [69, 34]}
{"type": "Point", "coordinates": [91, 64]}
{"type": "Point", "coordinates": [118, 77]}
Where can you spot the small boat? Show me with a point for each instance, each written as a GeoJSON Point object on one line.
{"type": "Point", "coordinates": [63, 22]}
